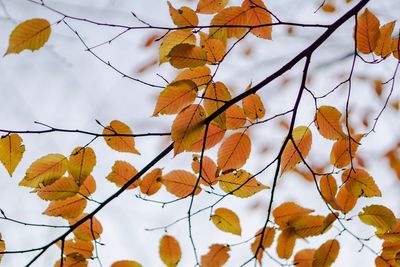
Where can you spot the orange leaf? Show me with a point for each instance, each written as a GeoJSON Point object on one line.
{"type": "Point", "coordinates": [384, 43]}
{"type": "Point", "coordinates": [216, 95]}
{"type": "Point", "coordinates": [91, 229]}
{"type": "Point", "coordinates": [88, 187]}
{"type": "Point", "coordinates": [304, 258]}
{"type": "Point", "coordinates": [289, 211]}
{"type": "Point", "coordinates": [340, 156]}
{"type": "Point", "coordinates": [2, 247]}
{"type": "Point", "coordinates": [393, 235]}
{"type": "Point", "coordinates": [215, 48]}
{"type": "Point", "coordinates": [230, 16]}
{"type": "Point", "coordinates": [81, 163]}
{"type": "Point", "coordinates": [307, 226]}
{"type": "Point", "coordinates": [235, 117]}
{"type": "Point", "coordinates": [201, 76]}
{"type": "Point", "coordinates": [367, 32]}
{"type": "Point", "coordinates": [328, 221]}
{"type": "Point", "coordinates": [241, 184]}
{"type": "Point", "coordinates": [68, 208]}
{"type": "Point", "coordinates": [267, 240]}
{"type": "Point", "coordinates": [208, 170]}
{"type": "Point", "coordinates": [175, 97]}
{"type": "Point", "coordinates": [151, 182]}
{"type": "Point", "coordinates": [77, 248]}
{"type": "Point", "coordinates": [31, 34]}
{"type": "Point", "coordinates": [395, 47]}
{"type": "Point", "coordinates": [345, 200]}
{"type": "Point", "coordinates": [327, 121]}
{"type": "Point", "coordinates": [170, 251]}
{"type": "Point", "coordinates": [59, 190]}
{"type": "Point", "coordinates": [72, 262]}
{"type": "Point", "coordinates": [126, 263]}
{"type": "Point", "coordinates": [172, 39]}
{"type": "Point", "coordinates": [234, 151]}
{"type": "Point", "coordinates": [227, 221]}
{"type": "Point", "coordinates": [181, 183]}
{"type": "Point", "coordinates": [328, 187]}
{"type": "Point", "coordinates": [214, 136]}
{"type": "Point", "coordinates": [187, 127]}
{"type": "Point", "coordinates": [378, 216]}
{"type": "Point", "coordinates": [359, 183]}
{"type": "Point", "coordinates": [290, 157]}
{"type": "Point", "coordinates": [121, 173]}
{"type": "Point", "coordinates": [183, 16]}
{"type": "Point", "coordinates": [257, 15]}
{"type": "Point", "coordinates": [11, 151]}
{"type": "Point", "coordinates": [120, 143]}
{"type": "Point", "coordinates": [217, 256]}
{"type": "Point", "coordinates": [286, 243]}
{"type": "Point", "coordinates": [211, 6]}
{"type": "Point", "coordinates": [187, 56]}
{"type": "Point", "coordinates": [253, 106]}
{"type": "Point", "coordinates": [45, 170]}
{"type": "Point", "coordinates": [326, 254]}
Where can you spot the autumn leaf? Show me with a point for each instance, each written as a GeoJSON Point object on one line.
{"type": "Point", "coordinates": [208, 170]}
{"type": "Point", "coordinates": [267, 235]}
{"type": "Point", "coordinates": [187, 56]}
{"type": "Point", "coordinates": [72, 262]}
{"type": "Point", "coordinates": [345, 200]}
{"type": "Point", "coordinates": [170, 251]}
{"type": "Point", "coordinates": [61, 189]}
{"type": "Point", "coordinates": [340, 156]}
{"type": "Point", "coordinates": [183, 17]}
{"type": "Point", "coordinates": [187, 127]}
{"type": "Point", "coordinates": [257, 15]}
{"type": "Point", "coordinates": [201, 76]}
{"type": "Point", "coordinates": [378, 216]}
{"type": "Point", "coordinates": [120, 143]}
{"type": "Point", "coordinates": [91, 229]}
{"type": "Point", "coordinates": [213, 137]}
{"type": "Point", "coordinates": [235, 117]}
{"type": "Point", "coordinates": [304, 258]}
{"type": "Point", "coordinates": [253, 107]}
{"type": "Point", "coordinates": [88, 187]}
{"type": "Point", "coordinates": [328, 221]}
{"type": "Point", "coordinates": [234, 151]}
{"type": "Point", "coordinates": [328, 187]}
{"type": "Point", "coordinates": [151, 182]}
{"type": "Point", "coordinates": [384, 43]}
{"type": "Point", "coordinates": [359, 183]}
{"type": "Point", "coordinates": [217, 256]}
{"type": "Point", "coordinates": [11, 151]}
{"type": "Point", "coordinates": [180, 183]}
{"type": "Point", "coordinates": [367, 32]}
{"type": "Point", "coordinates": [302, 138]}
{"type": "Point", "coordinates": [226, 220]}
{"type": "Point", "coordinates": [393, 235]}
{"type": "Point", "coordinates": [171, 40]}
{"type": "Point", "coordinates": [241, 184]}
{"type": "Point", "coordinates": [77, 248]}
{"type": "Point", "coordinates": [31, 34]}
{"type": "Point", "coordinates": [2, 247]}
{"type": "Point", "coordinates": [230, 16]}
{"type": "Point", "coordinates": [289, 211]}
{"type": "Point", "coordinates": [68, 208]}
{"type": "Point", "coordinates": [121, 173]}
{"type": "Point", "coordinates": [210, 6]}
{"type": "Point", "coordinates": [326, 254]}
{"type": "Point", "coordinates": [45, 170]}
{"type": "Point", "coordinates": [327, 121]}
{"type": "Point", "coordinates": [216, 95]}
{"type": "Point", "coordinates": [215, 48]}
{"type": "Point", "coordinates": [175, 97]}
{"type": "Point", "coordinates": [81, 163]}
{"type": "Point", "coordinates": [307, 226]}
{"type": "Point", "coordinates": [126, 263]}
{"type": "Point", "coordinates": [286, 243]}
{"type": "Point", "coordinates": [395, 47]}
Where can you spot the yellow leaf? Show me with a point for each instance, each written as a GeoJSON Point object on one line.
{"type": "Point", "coordinates": [257, 15]}
{"type": "Point", "coordinates": [81, 163]}
{"type": "Point", "coordinates": [211, 6]}
{"type": "Point", "coordinates": [241, 184]}
{"type": "Point", "coordinates": [183, 16]}
{"type": "Point", "coordinates": [253, 107]}
{"type": "Point", "coordinates": [61, 189]}
{"type": "Point", "coordinates": [326, 254]}
{"type": "Point", "coordinates": [120, 143]}
{"type": "Point", "coordinates": [91, 229]}
{"type": "Point", "coordinates": [340, 156]}
{"type": "Point", "coordinates": [172, 39]}
{"type": "Point", "coordinates": [227, 221]}
{"type": "Point", "coordinates": [327, 121]}
{"type": "Point", "coordinates": [267, 235]}
{"type": "Point", "coordinates": [359, 183]}
{"type": "Point", "coordinates": [234, 151]}
{"type": "Point", "coordinates": [121, 173]}
{"type": "Point", "coordinates": [215, 48]}
{"type": "Point", "coordinates": [11, 151]}
{"type": "Point", "coordinates": [88, 187]}
{"type": "Point", "coordinates": [286, 243]}
{"type": "Point", "coordinates": [290, 157]}
{"type": "Point", "coordinates": [214, 136]}
{"type": "Point", "coordinates": [187, 127]}
{"type": "Point", "coordinates": [328, 221]}
{"type": "Point", "coordinates": [175, 97]}
{"type": "Point", "coordinates": [393, 235]}
{"type": "Point", "coordinates": [304, 258]}
{"type": "Point", "coordinates": [181, 183]}
{"type": "Point", "coordinates": [170, 251]}
{"type": "Point", "coordinates": [68, 208]}
{"type": "Point", "coordinates": [2, 247]}
{"type": "Point", "coordinates": [216, 95]}
{"type": "Point", "coordinates": [345, 200]}
{"type": "Point", "coordinates": [187, 56]}
{"type": "Point", "coordinates": [126, 263]}
{"type": "Point", "coordinates": [328, 7]}
{"type": "Point", "coordinates": [208, 170]}
{"type": "Point", "coordinates": [217, 256]}
{"type": "Point", "coordinates": [289, 211]}
{"type": "Point", "coordinates": [201, 76]}
{"type": "Point", "coordinates": [235, 117]}
{"type": "Point", "coordinates": [378, 216]}
{"type": "Point", "coordinates": [45, 170]}
{"type": "Point", "coordinates": [230, 16]}
{"type": "Point", "coordinates": [328, 187]}
{"type": "Point", "coordinates": [151, 182]}
{"type": "Point", "coordinates": [367, 32]}
{"type": "Point", "coordinates": [384, 43]}
{"type": "Point", "coordinates": [307, 226]}
{"type": "Point", "coordinates": [77, 248]}
{"type": "Point", "coordinates": [31, 34]}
